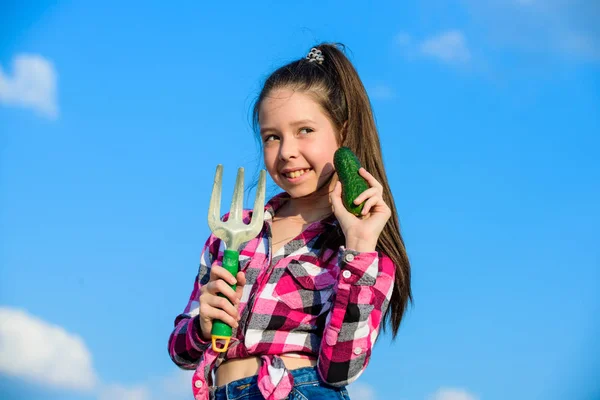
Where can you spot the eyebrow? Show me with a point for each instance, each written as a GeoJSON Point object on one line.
{"type": "Point", "coordinates": [295, 123]}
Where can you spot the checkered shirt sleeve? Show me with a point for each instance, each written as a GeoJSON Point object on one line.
{"type": "Point", "coordinates": [364, 289]}
{"type": "Point", "coordinates": [186, 344]}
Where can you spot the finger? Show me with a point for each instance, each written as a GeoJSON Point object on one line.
{"type": "Point", "coordinates": [220, 286]}
{"type": "Point", "coordinates": [209, 301]}
{"type": "Point", "coordinates": [213, 313]}
{"type": "Point", "coordinates": [381, 208]}
{"type": "Point", "coordinates": [369, 178]}
{"type": "Point", "coordinates": [218, 272]}
{"type": "Point", "coordinates": [366, 194]}
{"type": "Point", "coordinates": [222, 304]}
{"type": "Point", "coordinates": [335, 197]}
{"type": "Point", "coordinates": [370, 203]}
{"type": "Point", "coordinates": [336, 201]}
{"type": "Point", "coordinates": [241, 281]}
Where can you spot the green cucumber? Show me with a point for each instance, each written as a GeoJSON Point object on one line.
{"type": "Point", "coordinates": [347, 165]}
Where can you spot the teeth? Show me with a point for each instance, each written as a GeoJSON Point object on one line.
{"type": "Point", "coordinates": [296, 174]}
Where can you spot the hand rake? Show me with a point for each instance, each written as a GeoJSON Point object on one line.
{"type": "Point", "coordinates": [233, 232]}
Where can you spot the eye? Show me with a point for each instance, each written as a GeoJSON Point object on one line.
{"type": "Point", "coordinates": [306, 130]}
{"type": "Point", "coordinates": [269, 138]}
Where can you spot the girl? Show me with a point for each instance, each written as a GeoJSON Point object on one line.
{"type": "Point", "coordinates": [318, 282]}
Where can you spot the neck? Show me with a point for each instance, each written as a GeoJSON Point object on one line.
{"type": "Point", "coordinates": [310, 208]}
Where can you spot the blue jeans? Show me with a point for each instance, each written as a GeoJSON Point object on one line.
{"type": "Point", "coordinates": [307, 386]}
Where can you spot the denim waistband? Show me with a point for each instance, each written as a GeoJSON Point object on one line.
{"type": "Point", "coordinates": [248, 386]}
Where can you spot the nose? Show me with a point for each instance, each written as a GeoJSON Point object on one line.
{"type": "Point", "coordinates": [288, 149]}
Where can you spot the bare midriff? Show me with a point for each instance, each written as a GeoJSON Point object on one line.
{"type": "Point", "coordinates": [232, 370]}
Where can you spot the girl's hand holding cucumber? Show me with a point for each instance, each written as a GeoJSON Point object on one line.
{"type": "Point", "coordinates": [362, 231]}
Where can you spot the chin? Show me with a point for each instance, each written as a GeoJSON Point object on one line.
{"type": "Point", "coordinates": [298, 191]}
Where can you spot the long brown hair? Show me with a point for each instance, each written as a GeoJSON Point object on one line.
{"type": "Point", "coordinates": [336, 86]}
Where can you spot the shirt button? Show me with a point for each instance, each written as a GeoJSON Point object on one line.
{"type": "Point", "coordinates": [198, 384]}
{"type": "Point", "coordinates": [349, 257]}
{"type": "Point", "coordinates": [347, 274]}
{"type": "Point", "coordinates": [357, 350]}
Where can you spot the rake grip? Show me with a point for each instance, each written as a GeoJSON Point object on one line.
{"type": "Point", "coordinates": [220, 330]}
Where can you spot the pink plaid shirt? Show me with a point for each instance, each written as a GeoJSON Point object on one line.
{"type": "Point", "coordinates": [293, 302]}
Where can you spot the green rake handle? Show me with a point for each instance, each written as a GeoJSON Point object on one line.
{"type": "Point", "coordinates": [220, 330]}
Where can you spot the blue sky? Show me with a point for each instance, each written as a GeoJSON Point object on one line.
{"type": "Point", "coordinates": [113, 118]}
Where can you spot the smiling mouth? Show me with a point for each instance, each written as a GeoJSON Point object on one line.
{"type": "Point", "coordinates": [296, 174]}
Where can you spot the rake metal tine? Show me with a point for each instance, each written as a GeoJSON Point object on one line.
{"type": "Point", "coordinates": [259, 205]}
{"type": "Point", "coordinates": [214, 207]}
{"type": "Point", "coordinates": [237, 203]}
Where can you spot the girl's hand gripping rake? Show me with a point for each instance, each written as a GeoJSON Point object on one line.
{"type": "Point", "coordinates": [234, 232]}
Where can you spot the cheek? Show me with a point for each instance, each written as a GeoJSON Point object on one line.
{"type": "Point", "coordinates": [325, 158]}
{"type": "Point", "coordinates": [270, 159]}
{"type": "Point", "coordinates": [267, 154]}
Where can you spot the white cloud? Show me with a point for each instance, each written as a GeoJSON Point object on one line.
{"type": "Point", "coordinates": [40, 352]}
{"type": "Point", "coordinates": [177, 386]}
{"type": "Point", "coordinates": [361, 391]}
{"type": "Point", "coordinates": [32, 85]}
{"type": "Point", "coordinates": [525, 2]}
{"type": "Point", "coordinates": [449, 47]}
{"type": "Point", "coordinates": [578, 44]}
{"type": "Point", "coordinates": [403, 39]}
{"type": "Point", "coordinates": [452, 394]}
{"type": "Point", "coordinates": [43, 353]}
{"type": "Point", "coordinates": [568, 29]}
{"type": "Point", "coordinates": [381, 92]}
{"type": "Point", "coordinates": [118, 392]}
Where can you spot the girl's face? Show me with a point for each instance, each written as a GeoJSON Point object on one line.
{"type": "Point", "coordinates": [298, 140]}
